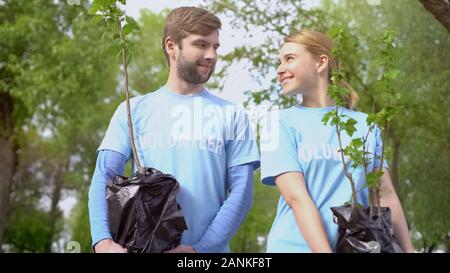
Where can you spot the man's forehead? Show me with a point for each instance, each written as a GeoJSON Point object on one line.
{"type": "Point", "coordinates": [211, 38]}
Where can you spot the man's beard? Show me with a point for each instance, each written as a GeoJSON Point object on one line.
{"type": "Point", "coordinates": [188, 71]}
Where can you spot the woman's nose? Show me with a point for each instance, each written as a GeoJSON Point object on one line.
{"type": "Point", "coordinates": [280, 69]}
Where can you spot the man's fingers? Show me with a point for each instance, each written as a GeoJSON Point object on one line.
{"type": "Point", "coordinates": [173, 250]}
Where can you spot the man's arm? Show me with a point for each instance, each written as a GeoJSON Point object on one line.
{"type": "Point", "coordinates": [233, 211]}
{"type": "Point", "coordinates": [109, 163]}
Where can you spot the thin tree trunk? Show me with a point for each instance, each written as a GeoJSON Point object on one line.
{"type": "Point", "coordinates": [55, 213]}
{"type": "Point", "coordinates": [8, 157]}
{"type": "Point", "coordinates": [447, 245]}
{"type": "Point", "coordinates": [440, 9]}
{"type": "Point", "coordinates": [431, 248]}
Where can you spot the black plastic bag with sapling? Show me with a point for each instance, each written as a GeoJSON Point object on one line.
{"type": "Point", "coordinates": [359, 232]}
{"type": "Point", "coordinates": [144, 216]}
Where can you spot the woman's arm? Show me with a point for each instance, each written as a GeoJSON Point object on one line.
{"type": "Point", "coordinates": [390, 199]}
{"type": "Point", "coordinates": [293, 188]}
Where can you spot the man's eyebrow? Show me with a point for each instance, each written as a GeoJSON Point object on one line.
{"type": "Point", "coordinates": [196, 41]}
{"type": "Point", "coordinates": [200, 40]}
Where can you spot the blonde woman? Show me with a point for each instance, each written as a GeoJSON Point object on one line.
{"type": "Point", "coordinates": [306, 165]}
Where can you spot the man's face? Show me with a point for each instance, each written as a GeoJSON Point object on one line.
{"type": "Point", "coordinates": [196, 57]}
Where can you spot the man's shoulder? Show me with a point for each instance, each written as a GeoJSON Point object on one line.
{"type": "Point", "coordinates": [139, 100]}
{"type": "Point", "coordinates": [214, 99]}
{"type": "Point", "coordinates": [145, 98]}
{"type": "Point", "coordinates": [227, 106]}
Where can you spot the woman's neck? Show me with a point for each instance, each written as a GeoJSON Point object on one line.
{"type": "Point", "coordinates": [318, 96]}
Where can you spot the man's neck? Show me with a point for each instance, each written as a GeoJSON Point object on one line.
{"type": "Point", "coordinates": [177, 85]}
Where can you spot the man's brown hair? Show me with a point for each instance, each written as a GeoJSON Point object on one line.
{"type": "Point", "coordinates": [188, 20]}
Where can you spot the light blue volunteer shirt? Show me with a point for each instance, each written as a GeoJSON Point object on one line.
{"type": "Point", "coordinates": [306, 145]}
{"type": "Point", "coordinates": [196, 138]}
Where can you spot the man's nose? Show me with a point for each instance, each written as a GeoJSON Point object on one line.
{"type": "Point", "coordinates": [211, 53]}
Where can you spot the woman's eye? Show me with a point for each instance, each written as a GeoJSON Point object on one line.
{"type": "Point", "coordinates": [289, 58]}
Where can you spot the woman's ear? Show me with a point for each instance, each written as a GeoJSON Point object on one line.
{"type": "Point", "coordinates": [322, 65]}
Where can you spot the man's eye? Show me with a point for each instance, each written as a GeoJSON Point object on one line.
{"type": "Point", "coordinates": [289, 58]}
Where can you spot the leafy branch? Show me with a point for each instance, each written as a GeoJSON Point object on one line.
{"type": "Point", "coordinates": [118, 27]}
{"type": "Point", "coordinates": [356, 153]}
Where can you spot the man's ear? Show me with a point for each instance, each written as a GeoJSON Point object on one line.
{"type": "Point", "coordinates": [322, 64]}
{"type": "Point", "coordinates": [170, 47]}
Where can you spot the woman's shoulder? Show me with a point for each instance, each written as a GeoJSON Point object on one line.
{"type": "Point", "coordinates": [288, 112]}
{"type": "Point", "coordinates": [355, 114]}
{"type": "Point", "coordinates": [285, 115]}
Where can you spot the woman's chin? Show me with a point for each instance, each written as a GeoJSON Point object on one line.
{"type": "Point", "coordinates": [289, 92]}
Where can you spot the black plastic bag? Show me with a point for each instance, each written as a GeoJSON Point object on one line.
{"type": "Point", "coordinates": [359, 232]}
{"type": "Point", "coordinates": [144, 215]}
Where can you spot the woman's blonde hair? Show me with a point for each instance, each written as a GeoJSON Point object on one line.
{"type": "Point", "coordinates": [318, 44]}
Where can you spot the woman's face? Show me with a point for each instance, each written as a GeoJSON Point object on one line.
{"type": "Point", "coordinates": [297, 71]}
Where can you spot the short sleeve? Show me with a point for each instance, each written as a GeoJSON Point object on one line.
{"type": "Point", "coordinates": [378, 150]}
{"type": "Point", "coordinates": [117, 137]}
{"type": "Point", "coordinates": [281, 157]}
{"type": "Point", "coordinates": [242, 148]}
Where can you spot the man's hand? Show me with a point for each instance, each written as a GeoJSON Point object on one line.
{"type": "Point", "coordinates": [109, 246]}
{"type": "Point", "coordinates": [181, 249]}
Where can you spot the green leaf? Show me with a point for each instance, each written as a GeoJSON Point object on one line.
{"type": "Point", "coordinates": [129, 57]}
{"type": "Point", "coordinates": [335, 120]}
{"type": "Point", "coordinates": [116, 46]}
{"type": "Point", "coordinates": [133, 24]}
{"type": "Point", "coordinates": [335, 31]}
{"type": "Point", "coordinates": [96, 19]}
{"type": "Point", "coordinates": [127, 29]}
{"type": "Point", "coordinates": [96, 6]}
{"type": "Point", "coordinates": [348, 203]}
{"type": "Point", "coordinates": [371, 118]}
{"type": "Point", "coordinates": [357, 142]}
{"type": "Point", "coordinates": [373, 179]}
{"type": "Point", "coordinates": [327, 116]}
{"type": "Point", "coordinates": [115, 11]}
{"type": "Point", "coordinates": [119, 57]}
{"type": "Point", "coordinates": [392, 74]}
{"type": "Point", "coordinates": [349, 126]}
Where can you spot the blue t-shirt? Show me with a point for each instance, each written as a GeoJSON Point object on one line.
{"type": "Point", "coordinates": [302, 143]}
{"type": "Point", "coordinates": [196, 138]}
